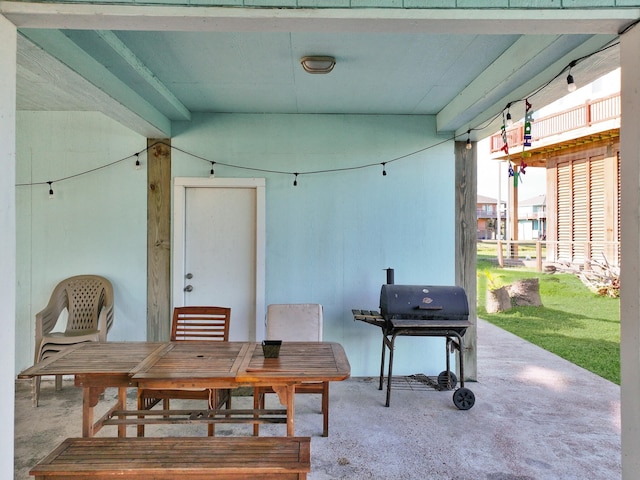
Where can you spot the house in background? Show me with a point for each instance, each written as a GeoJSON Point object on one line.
{"type": "Point", "coordinates": [579, 146]}
{"type": "Point", "coordinates": [487, 213]}
{"type": "Point", "coordinates": [532, 218]}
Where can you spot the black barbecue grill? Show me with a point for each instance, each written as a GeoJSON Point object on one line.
{"type": "Point", "coordinates": [427, 311]}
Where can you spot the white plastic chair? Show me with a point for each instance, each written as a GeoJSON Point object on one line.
{"type": "Point", "coordinates": [88, 300]}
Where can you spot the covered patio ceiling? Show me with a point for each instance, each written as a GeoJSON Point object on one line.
{"type": "Point", "coordinates": [147, 67]}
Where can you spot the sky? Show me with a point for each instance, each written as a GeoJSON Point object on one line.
{"type": "Point", "coordinates": [493, 175]}
{"type": "Point", "coordinates": [493, 179]}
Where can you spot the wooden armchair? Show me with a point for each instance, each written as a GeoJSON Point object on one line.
{"type": "Point", "coordinates": [191, 324]}
{"type": "Point", "coordinates": [88, 300]}
{"type": "Point", "coordinates": [296, 322]}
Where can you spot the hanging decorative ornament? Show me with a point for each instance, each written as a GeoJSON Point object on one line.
{"type": "Point", "coordinates": [528, 118]}
{"type": "Point", "coordinates": [522, 167]}
{"type": "Point", "coordinates": [516, 176]}
{"type": "Point", "coordinates": [505, 147]}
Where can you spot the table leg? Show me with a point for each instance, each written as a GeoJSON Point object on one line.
{"type": "Point", "coordinates": [286, 395]}
{"type": "Point", "coordinates": [87, 413]}
{"type": "Point", "coordinates": [122, 405]}
{"type": "Point", "coordinates": [290, 410]}
{"type": "Point", "coordinates": [90, 397]}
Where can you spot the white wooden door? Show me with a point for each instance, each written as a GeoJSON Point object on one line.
{"type": "Point", "coordinates": [219, 249]}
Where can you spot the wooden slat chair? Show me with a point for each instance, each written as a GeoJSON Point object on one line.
{"type": "Point", "coordinates": [189, 324]}
{"type": "Point", "coordinates": [296, 322]}
{"type": "Point", "coordinates": [88, 300]}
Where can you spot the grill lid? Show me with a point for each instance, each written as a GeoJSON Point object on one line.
{"type": "Point", "coordinates": [423, 302]}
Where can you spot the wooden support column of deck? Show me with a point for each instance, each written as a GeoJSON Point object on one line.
{"type": "Point", "coordinates": [158, 239]}
{"type": "Point", "coordinates": [466, 180]}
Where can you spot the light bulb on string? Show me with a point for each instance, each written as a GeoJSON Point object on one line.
{"type": "Point", "coordinates": [137, 161]}
{"type": "Point", "coordinates": [384, 170]}
{"type": "Point", "coordinates": [50, 190]}
{"type": "Point", "coordinates": [295, 180]}
{"type": "Point", "coordinates": [212, 173]}
{"type": "Point", "coordinates": [469, 146]}
{"type": "Point", "coordinates": [571, 84]}
{"type": "Point", "coordinates": [508, 121]}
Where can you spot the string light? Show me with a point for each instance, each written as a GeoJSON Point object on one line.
{"type": "Point", "coordinates": [505, 148]}
{"type": "Point", "coordinates": [212, 173]}
{"type": "Point", "coordinates": [571, 85]}
{"type": "Point", "coordinates": [508, 121]}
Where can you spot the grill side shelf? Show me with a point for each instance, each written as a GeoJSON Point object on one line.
{"type": "Point", "coordinates": [369, 316]}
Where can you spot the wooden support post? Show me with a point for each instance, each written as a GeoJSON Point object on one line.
{"type": "Point", "coordinates": [466, 180]}
{"type": "Point", "coordinates": [158, 239]}
{"type": "Point", "coordinates": [513, 218]}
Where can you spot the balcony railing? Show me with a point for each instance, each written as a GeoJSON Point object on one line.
{"type": "Point", "coordinates": [582, 116]}
{"type": "Point", "coordinates": [536, 253]}
{"type": "Point", "coordinates": [487, 213]}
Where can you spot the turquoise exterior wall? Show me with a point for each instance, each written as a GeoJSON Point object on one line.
{"type": "Point", "coordinates": [328, 240]}
{"type": "Point", "coordinates": [95, 223]}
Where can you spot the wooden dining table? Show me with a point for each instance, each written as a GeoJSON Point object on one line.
{"type": "Point", "coordinates": [188, 365]}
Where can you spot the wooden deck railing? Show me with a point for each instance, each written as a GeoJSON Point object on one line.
{"type": "Point", "coordinates": [535, 253]}
{"type": "Point", "coordinates": [582, 116]}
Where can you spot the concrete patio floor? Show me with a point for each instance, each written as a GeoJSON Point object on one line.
{"type": "Point", "coordinates": [536, 416]}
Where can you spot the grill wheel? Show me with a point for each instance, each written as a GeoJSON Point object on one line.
{"type": "Point", "coordinates": [463, 398]}
{"type": "Point", "coordinates": [447, 380]}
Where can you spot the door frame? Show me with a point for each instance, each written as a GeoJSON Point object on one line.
{"type": "Point", "coordinates": [180, 185]}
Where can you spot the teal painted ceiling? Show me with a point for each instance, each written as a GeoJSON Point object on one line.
{"type": "Point", "coordinates": [156, 66]}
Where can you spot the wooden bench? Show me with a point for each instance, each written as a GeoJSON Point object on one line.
{"type": "Point", "coordinates": [196, 458]}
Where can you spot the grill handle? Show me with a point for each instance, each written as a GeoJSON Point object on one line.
{"type": "Point", "coordinates": [425, 307]}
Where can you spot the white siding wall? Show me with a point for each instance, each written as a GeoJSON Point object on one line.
{"type": "Point", "coordinates": [8, 38]}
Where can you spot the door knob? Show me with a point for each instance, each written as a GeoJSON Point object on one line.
{"type": "Point", "coordinates": [188, 288]}
{"type": "Point", "coordinates": [189, 276]}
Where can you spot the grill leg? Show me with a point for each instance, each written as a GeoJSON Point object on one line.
{"type": "Point", "coordinates": [382, 361]}
{"type": "Point", "coordinates": [459, 345]}
{"type": "Point", "coordinates": [461, 360]}
{"type": "Point", "coordinates": [447, 347]}
{"type": "Point", "coordinates": [391, 348]}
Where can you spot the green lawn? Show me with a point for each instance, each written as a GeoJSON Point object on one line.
{"type": "Point", "coordinates": [573, 322]}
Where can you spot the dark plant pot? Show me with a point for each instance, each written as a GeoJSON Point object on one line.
{"type": "Point", "coordinates": [271, 348]}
